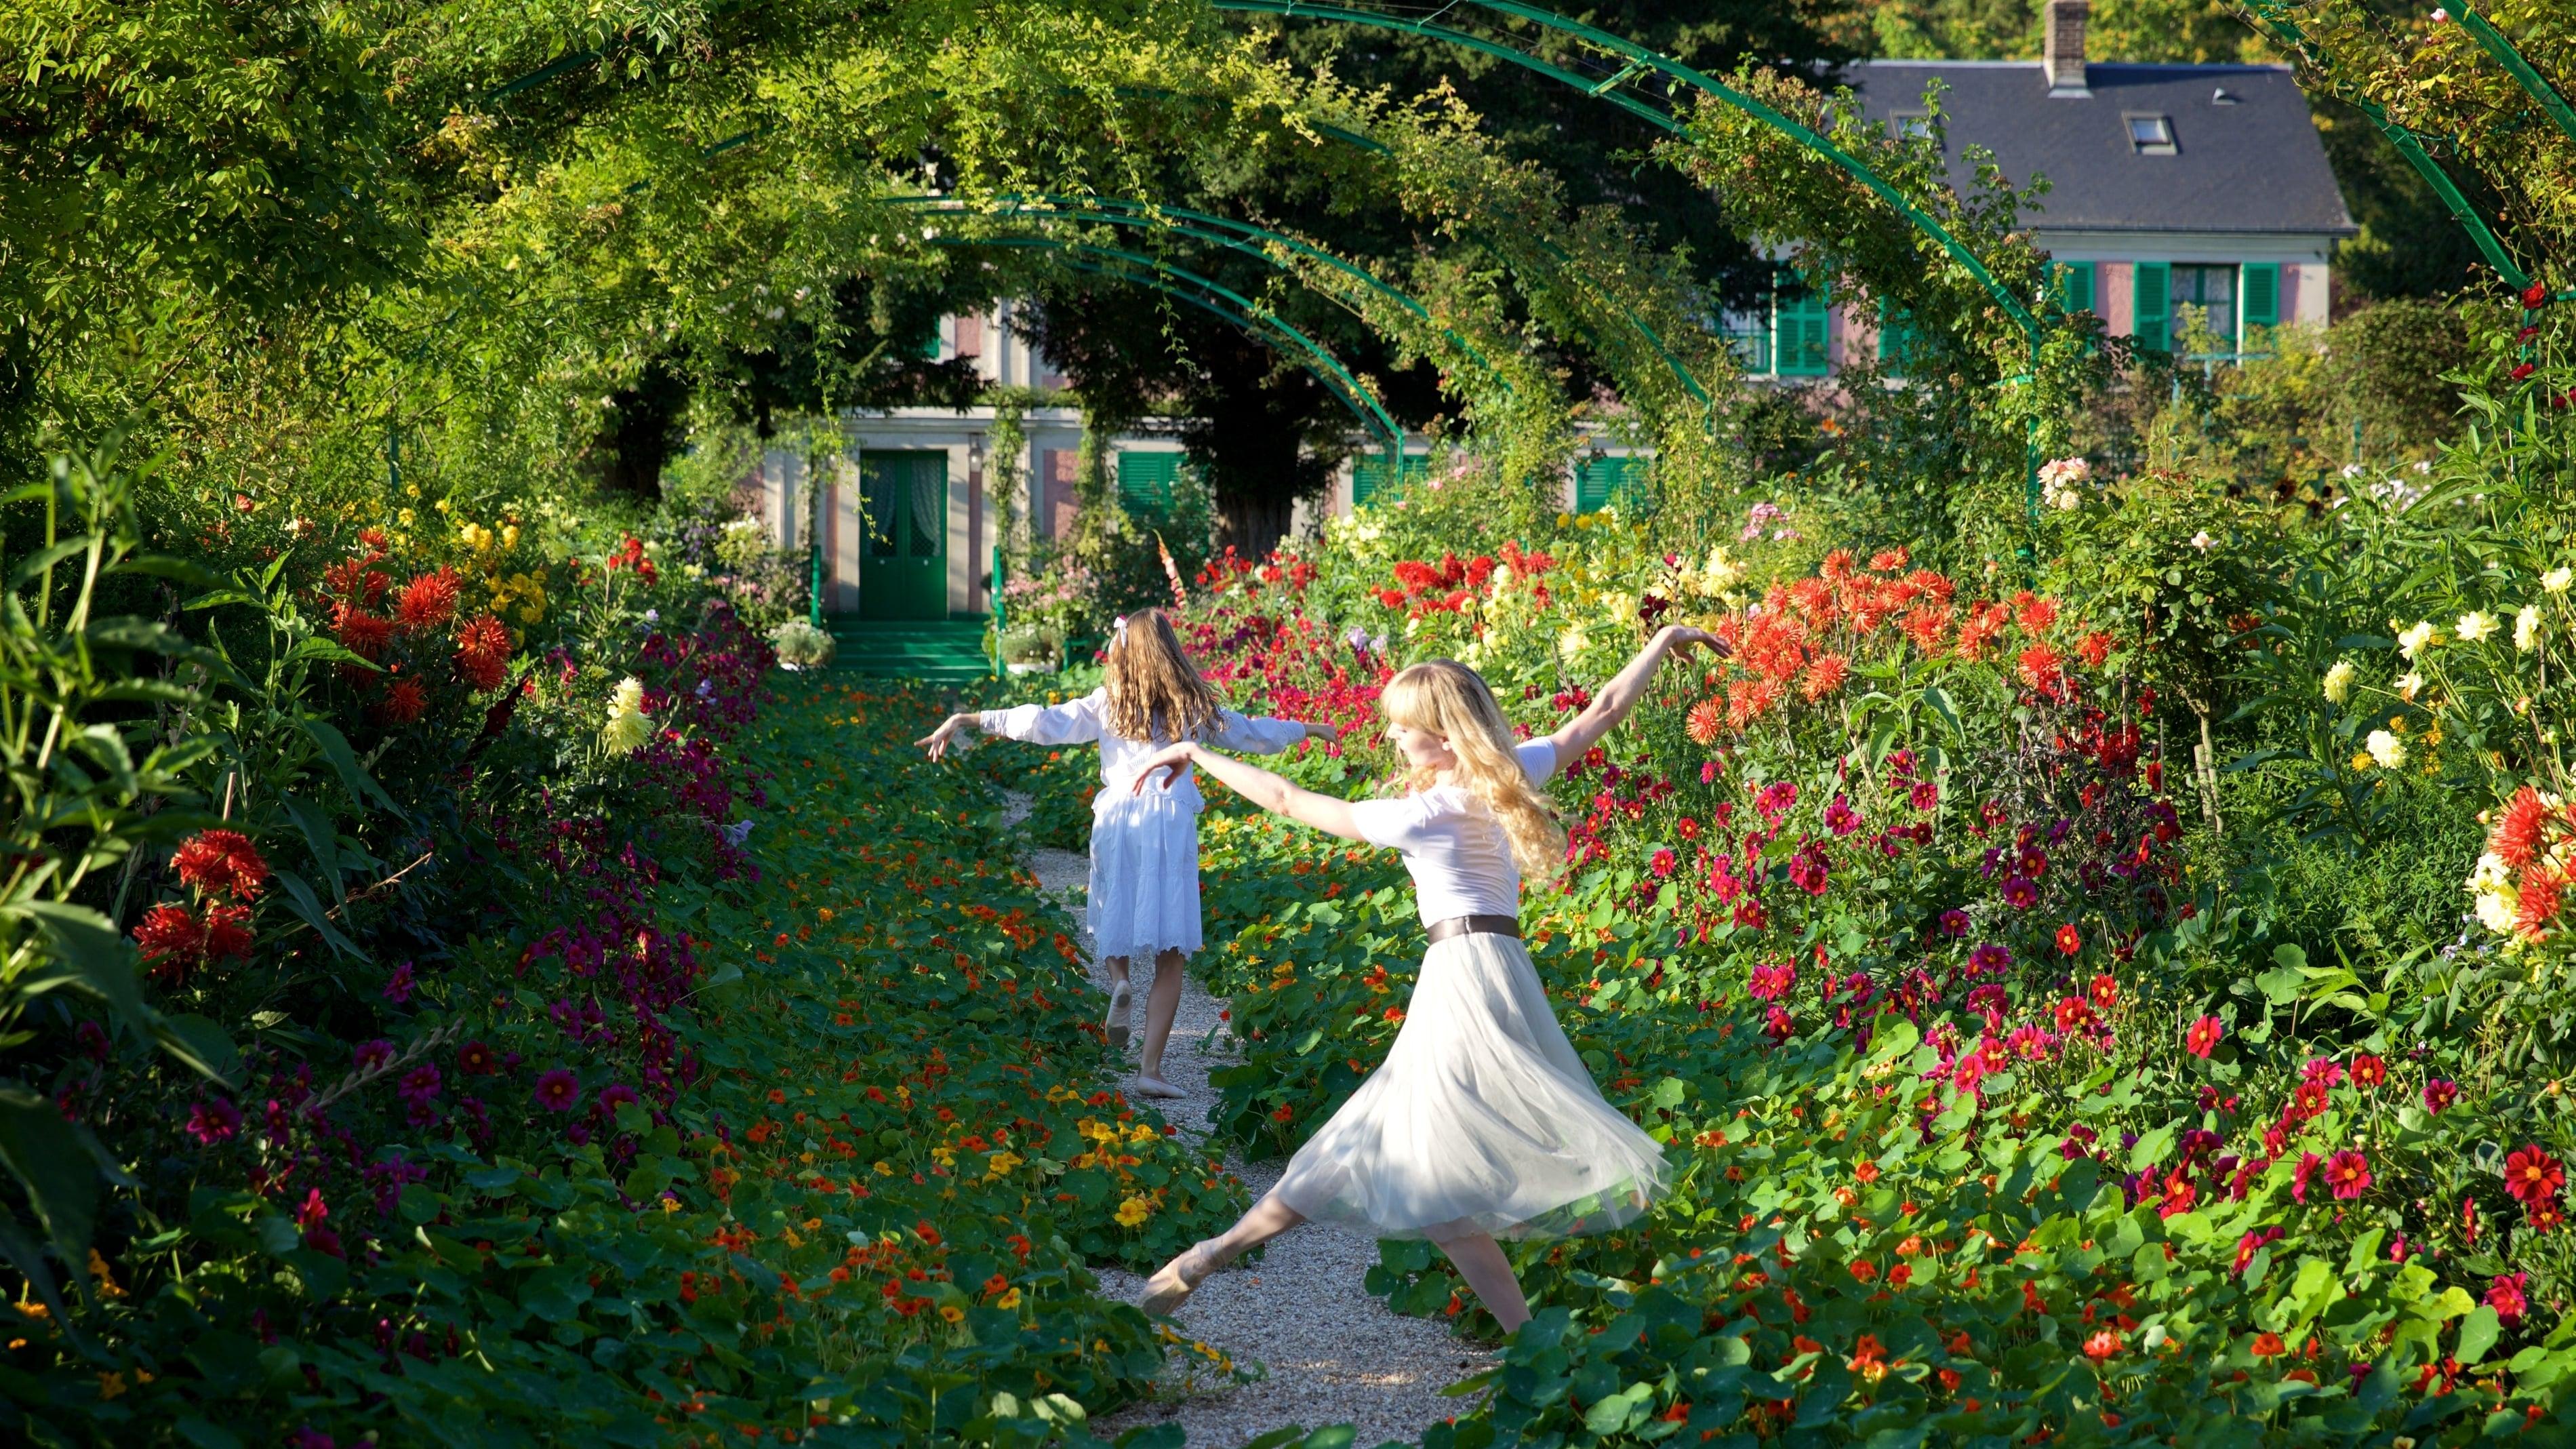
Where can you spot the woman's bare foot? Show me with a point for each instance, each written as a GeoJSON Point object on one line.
{"type": "Point", "coordinates": [1172, 1286]}
{"type": "Point", "coordinates": [1156, 1087]}
{"type": "Point", "coordinates": [1117, 1021]}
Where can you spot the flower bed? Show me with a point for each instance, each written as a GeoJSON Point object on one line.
{"type": "Point", "coordinates": [1998, 1113]}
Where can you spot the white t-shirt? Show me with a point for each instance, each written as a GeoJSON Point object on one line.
{"type": "Point", "coordinates": [1460, 859]}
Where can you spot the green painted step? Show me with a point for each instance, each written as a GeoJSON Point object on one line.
{"type": "Point", "coordinates": [926, 649]}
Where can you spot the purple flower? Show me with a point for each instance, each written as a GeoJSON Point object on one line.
{"type": "Point", "coordinates": [398, 988]}
{"type": "Point", "coordinates": [2033, 861]}
{"type": "Point", "coordinates": [2439, 1093]}
{"type": "Point", "coordinates": [1708, 772]}
{"type": "Point", "coordinates": [1990, 959]}
{"type": "Point", "coordinates": [213, 1122]}
{"type": "Point", "coordinates": [557, 1091]}
{"type": "Point", "coordinates": [373, 1054]}
{"type": "Point", "coordinates": [309, 1437]}
{"type": "Point", "coordinates": [1926, 796]}
{"type": "Point", "coordinates": [614, 1096]}
{"type": "Point", "coordinates": [419, 1085]}
{"type": "Point", "coordinates": [1954, 923]}
{"type": "Point", "coordinates": [2021, 892]}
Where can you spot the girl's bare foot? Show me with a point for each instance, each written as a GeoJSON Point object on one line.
{"type": "Point", "coordinates": [1156, 1087]}
{"type": "Point", "coordinates": [1168, 1289]}
{"type": "Point", "coordinates": [1119, 1002]}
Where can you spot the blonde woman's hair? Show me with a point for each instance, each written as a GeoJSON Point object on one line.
{"type": "Point", "coordinates": [1155, 693]}
{"type": "Point", "coordinates": [1448, 699]}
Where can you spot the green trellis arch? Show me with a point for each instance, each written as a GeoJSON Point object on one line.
{"type": "Point", "coordinates": [1245, 237]}
{"type": "Point", "coordinates": [1622, 87]}
{"type": "Point", "coordinates": [1216, 298]}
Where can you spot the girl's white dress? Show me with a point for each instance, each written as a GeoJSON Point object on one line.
{"type": "Point", "coordinates": [1482, 1117]}
{"type": "Point", "coordinates": [1144, 847]}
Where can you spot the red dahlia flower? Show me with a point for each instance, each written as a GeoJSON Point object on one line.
{"type": "Point", "coordinates": [2069, 940]}
{"type": "Point", "coordinates": [2348, 1174]}
{"type": "Point", "coordinates": [227, 933]}
{"type": "Point", "coordinates": [429, 601]}
{"type": "Point", "coordinates": [403, 703]}
{"type": "Point", "coordinates": [2203, 1035]}
{"type": "Point", "coordinates": [2517, 833]}
{"type": "Point", "coordinates": [222, 863]}
{"type": "Point", "coordinates": [2532, 1175]}
{"type": "Point", "coordinates": [2368, 1071]}
{"type": "Point", "coordinates": [360, 632]}
{"type": "Point", "coordinates": [171, 939]}
{"type": "Point", "coordinates": [2106, 992]}
{"type": "Point", "coordinates": [483, 652]}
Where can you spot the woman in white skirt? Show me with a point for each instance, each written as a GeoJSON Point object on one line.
{"type": "Point", "coordinates": [1482, 1123]}
{"type": "Point", "coordinates": [1144, 900]}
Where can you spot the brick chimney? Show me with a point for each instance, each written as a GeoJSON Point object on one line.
{"type": "Point", "coordinates": [2062, 45]}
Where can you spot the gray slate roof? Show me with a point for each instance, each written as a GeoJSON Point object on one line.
{"type": "Point", "coordinates": [2255, 166]}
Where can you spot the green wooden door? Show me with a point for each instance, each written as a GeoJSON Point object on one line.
{"type": "Point", "coordinates": [903, 553]}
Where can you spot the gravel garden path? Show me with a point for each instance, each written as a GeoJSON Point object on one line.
{"type": "Point", "coordinates": [1334, 1354]}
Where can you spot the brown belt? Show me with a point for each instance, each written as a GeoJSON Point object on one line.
{"type": "Point", "coordinates": [1475, 926]}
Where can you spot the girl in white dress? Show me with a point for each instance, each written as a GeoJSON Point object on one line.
{"type": "Point", "coordinates": [1482, 1123]}
{"type": "Point", "coordinates": [1144, 900]}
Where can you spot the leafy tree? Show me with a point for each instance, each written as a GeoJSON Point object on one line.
{"type": "Point", "coordinates": [1268, 433]}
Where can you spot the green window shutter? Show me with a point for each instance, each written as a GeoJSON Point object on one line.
{"type": "Point", "coordinates": [1373, 482]}
{"type": "Point", "coordinates": [1897, 339]}
{"type": "Point", "coordinates": [2152, 306]}
{"type": "Point", "coordinates": [2258, 293]}
{"type": "Point", "coordinates": [2075, 286]}
{"type": "Point", "coordinates": [1145, 482]}
{"type": "Point", "coordinates": [1800, 324]}
{"type": "Point", "coordinates": [1600, 482]}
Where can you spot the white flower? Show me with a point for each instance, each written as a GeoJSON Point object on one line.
{"type": "Point", "coordinates": [2411, 640]}
{"type": "Point", "coordinates": [296, 527]}
{"type": "Point", "coordinates": [2386, 749]}
{"type": "Point", "coordinates": [1570, 643]}
{"type": "Point", "coordinates": [2441, 16]}
{"type": "Point", "coordinates": [2339, 681]}
{"type": "Point", "coordinates": [2491, 886]}
{"type": "Point", "coordinates": [627, 727]}
{"type": "Point", "coordinates": [2526, 628]}
{"type": "Point", "coordinates": [2423, 465]}
{"type": "Point", "coordinates": [2063, 499]}
{"type": "Point", "coordinates": [2556, 580]}
{"type": "Point", "coordinates": [2409, 685]}
{"type": "Point", "coordinates": [2475, 626]}
{"type": "Point", "coordinates": [2352, 470]}
{"type": "Point", "coordinates": [2202, 540]}
{"type": "Point", "coordinates": [2064, 473]}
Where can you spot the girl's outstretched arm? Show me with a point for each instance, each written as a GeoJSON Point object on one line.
{"type": "Point", "coordinates": [1623, 691]}
{"type": "Point", "coordinates": [1255, 784]}
{"type": "Point", "coordinates": [1074, 722]}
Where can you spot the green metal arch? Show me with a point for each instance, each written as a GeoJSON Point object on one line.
{"type": "Point", "coordinates": [1638, 61]}
{"type": "Point", "coordinates": [2282, 31]}
{"type": "Point", "coordinates": [1245, 237]}
{"type": "Point", "coordinates": [1245, 313]}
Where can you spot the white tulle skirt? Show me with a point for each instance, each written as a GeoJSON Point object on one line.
{"type": "Point", "coordinates": [1481, 1118]}
{"type": "Point", "coordinates": [1144, 874]}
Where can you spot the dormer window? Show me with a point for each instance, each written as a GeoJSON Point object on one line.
{"type": "Point", "coordinates": [1911, 125]}
{"type": "Point", "coordinates": [2151, 135]}
{"type": "Point", "coordinates": [2225, 97]}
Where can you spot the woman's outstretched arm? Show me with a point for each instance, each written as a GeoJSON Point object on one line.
{"type": "Point", "coordinates": [1623, 691]}
{"type": "Point", "coordinates": [1255, 784]}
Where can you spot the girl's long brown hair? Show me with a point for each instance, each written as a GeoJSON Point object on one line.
{"type": "Point", "coordinates": [1155, 693]}
{"type": "Point", "coordinates": [1450, 700]}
